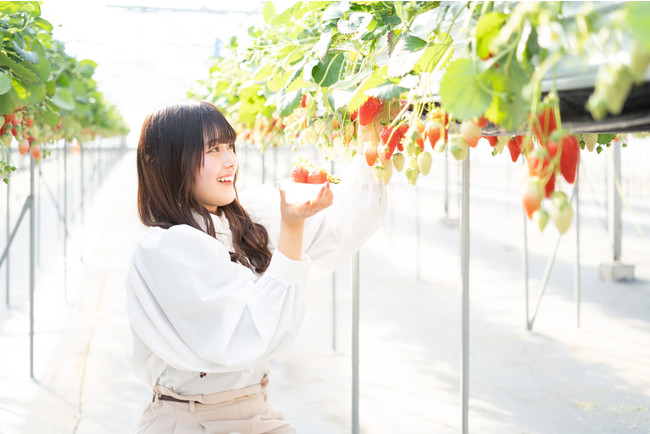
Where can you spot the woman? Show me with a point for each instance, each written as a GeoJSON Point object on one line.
{"type": "Point", "coordinates": [217, 286]}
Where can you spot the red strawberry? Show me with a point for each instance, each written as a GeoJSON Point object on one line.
{"type": "Point", "coordinates": [370, 152]}
{"type": "Point", "coordinates": [23, 147]}
{"type": "Point", "coordinates": [433, 132]}
{"type": "Point", "coordinates": [29, 122]}
{"type": "Point", "coordinates": [531, 195]}
{"type": "Point", "coordinates": [35, 150]}
{"type": "Point", "coordinates": [369, 110]}
{"type": "Point", "coordinates": [569, 158]}
{"type": "Point", "coordinates": [470, 132]}
{"type": "Point", "coordinates": [384, 152]}
{"type": "Point", "coordinates": [514, 146]}
{"type": "Point", "coordinates": [303, 101]}
{"type": "Point", "coordinates": [482, 122]}
{"type": "Point", "coordinates": [393, 136]}
{"type": "Point", "coordinates": [550, 186]}
{"type": "Point", "coordinates": [492, 140]}
{"type": "Point", "coordinates": [317, 176]}
{"type": "Point", "coordinates": [353, 115]}
{"type": "Point", "coordinates": [544, 125]}
{"type": "Point", "coordinates": [299, 174]}
{"type": "Point", "coordinates": [538, 162]}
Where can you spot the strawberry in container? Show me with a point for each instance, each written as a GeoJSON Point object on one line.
{"type": "Point", "coordinates": [305, 182]}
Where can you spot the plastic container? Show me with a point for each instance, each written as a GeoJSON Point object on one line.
{"type": "Point", "coordinates": [297, 192]}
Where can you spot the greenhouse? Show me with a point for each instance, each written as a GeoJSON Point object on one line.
{"type": "Point", "coordinates": [325, 217]}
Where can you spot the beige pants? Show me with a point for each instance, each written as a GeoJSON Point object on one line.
{"type": "Point", "coordinates": [241, 411]}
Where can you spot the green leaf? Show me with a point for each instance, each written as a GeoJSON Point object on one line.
{"type": "Point", "coordinates": [296, 11]}
{"type": "Point", "coordinates": [8, 102]}
{"type": "Point", "coordinates": [375, 33]}
{"type": "Point", "coordinates": [268, 12]}
{"type": "Point", "coordinates": [28, 56]}
{"type": "Point", "coordinates": [50, 86]}
{"type": "Point", "coordinates": [314, 6]}
{"type": "Point", "coordinates": [510, 104]}
{"type": "Point", "coordinates": [405, 55]}
{"type": "Point", "coordinates": [323, 44]}
{"type": "Point", "coordinates": [437, 55]}
{"type": "Point", "coordinates": [5, 83]}
{"type": "Point", "coordinates": [63, 99]}
{"type": "Point", "coordinates": [604, 139]}
{"type": "Point", "coordinates": [264, 72]}
{"type": "Point", "coordinates": [29, 93]}
{"type": "Point", "coordinates": [356, 22]}
{"type": "Point", "coordinates": [388, 90]}
{"type": "Point", "coordinates": [279, 80]}
{"type": "Point", "coordinates": [298, 83]}
{"type": "Point", "coordinates": [486, 30]}
{"type": "Point", "coordinates": [637, 15]}
{"type": "Point", "coordinates": [87, 67]}
{"type": "Point", "coordinates": [52, 117]}
{"type": "Point", "coordinates": [287, 102]}
{"type": "Point", "coordinates": [17, 69]}
{"type": "Point", "coordinates": [461, 92]}
{"type": "Point", "coordinates": [42, 68]}
{"type": "Point", "coordinates": [335, 11]}
{"type": "Point", "coordinates": [377, 78]}
{"type": "Point", "coordinates": [339, 98]}
{"type": "Point", "coordinates": [327, 73]}
{"type": "Point", "coordinates": [43, 24]}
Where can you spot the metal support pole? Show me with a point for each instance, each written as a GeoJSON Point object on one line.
{"type": "Point", "coordinates": [333, 291]}
{"type": "Point", "coordinates": [263, 167]}
{"type": "Point", "coordinates": [354, 272]}
{"type": "Point", "coordinates": [32, 227]}
{"type": "Point", "coordinates": [8, 275]}
{"type": "Point", "coordinates": [446, 183]}
{"type": "Point", "coordinates": [38, 209]}
{"type": "Point", "coordinates": [65, 220]}
{"type": "Point", "coordinates": [334, 311]}
{"type": "Point", "coordinates": [614, 205]}
{"type": "Point", "coordinates": [576, 272]}
{"type": "Point", "coordinates": [418, 255]}
{"type": "Point", "coordinates": [464, 267]}
{"type": "Point", "coordinates": [525, 266]}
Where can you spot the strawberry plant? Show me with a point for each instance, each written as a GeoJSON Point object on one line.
{"type": "Point", "coordinates": [45, 94]}
{"type": "Point", "coordinates": [336, 74]}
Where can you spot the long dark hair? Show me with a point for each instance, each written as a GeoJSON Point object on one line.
{"type": "Point", "coordinates": [170, 154]}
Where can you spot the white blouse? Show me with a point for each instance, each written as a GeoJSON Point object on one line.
{"type": "Point", "coordinates": [202, 324]}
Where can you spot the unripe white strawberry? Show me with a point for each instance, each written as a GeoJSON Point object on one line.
{"type": "Point", "coordinates": [590, 141]}
{"type": "Point", "coordinates": [425, 161]}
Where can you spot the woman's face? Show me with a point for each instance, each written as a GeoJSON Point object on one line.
{"type": "Point", "coordinates": [214, 184]}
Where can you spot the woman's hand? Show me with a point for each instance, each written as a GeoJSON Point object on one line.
{"type": "Point", "coordinates": [296, 214]}
{"type": "Point", "coordinates": [293, 220]}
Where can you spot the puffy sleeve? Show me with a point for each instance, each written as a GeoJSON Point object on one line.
{"type": "Point", "coordinates": [199, 311]}
{"type": "Point", "coordinates": [332, 236]}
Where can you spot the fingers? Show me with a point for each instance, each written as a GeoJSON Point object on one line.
{"type": "Point", "coordinates": [283, 197]}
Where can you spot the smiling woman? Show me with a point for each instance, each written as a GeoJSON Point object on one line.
{"type": "Point", "coordinates": [217, 286]}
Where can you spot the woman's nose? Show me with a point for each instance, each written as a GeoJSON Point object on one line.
{"type": "Point", "coordinates": [231, 159]}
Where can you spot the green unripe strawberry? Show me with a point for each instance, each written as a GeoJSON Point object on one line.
{"type": "Point", "coordinates": [458, 148]}
{"type": "Point", "coordinates": [411, 175]}
{"type": "Point", "coordinates": [541, 218]}
{"type": "Point", "coordinates": [398, 161]}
